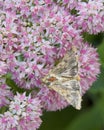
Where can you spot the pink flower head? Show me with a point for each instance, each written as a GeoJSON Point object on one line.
{"type": "Point", "coordinates": [23, 114]}
{"type": "Point", "coordinates": [32, 36]}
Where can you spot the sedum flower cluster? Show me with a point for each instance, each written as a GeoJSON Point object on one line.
{"type": "Point", "coordinates": [34, 34]}
{"type": "Point", "coordinates": [23, 114]}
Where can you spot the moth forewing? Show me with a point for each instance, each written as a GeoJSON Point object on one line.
{"type": "Point", "coordinates": [70, 90]}
{"type": "Point", "coordinates": [75, 96]}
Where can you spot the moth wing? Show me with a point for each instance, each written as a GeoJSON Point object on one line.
{"type": "Point", "coordinates": [70, 90]}
{"type": "Point", "coordinates": [68, 67]}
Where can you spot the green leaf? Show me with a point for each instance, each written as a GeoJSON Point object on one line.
{"type": "Point", "coordinates": [90, 119]}
{"type": "Point", "coordinates": [58, 120]}
{"type": "Point", "coordinates": [93, 39]}
{"type": "Point", "coordinates": [3, 109]}
{"type": "Point", "coordinates": [98, 85]}
{"type": "Point", "coordinates": [20, 58]}
{"type": "Point", "coordinates": [101, 52]}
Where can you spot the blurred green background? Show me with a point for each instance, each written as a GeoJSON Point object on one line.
{"type": "Point", "coordinates": [91, 116]}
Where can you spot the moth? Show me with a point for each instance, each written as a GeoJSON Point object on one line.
{"type": "Point", "coordinates": [64, 79]}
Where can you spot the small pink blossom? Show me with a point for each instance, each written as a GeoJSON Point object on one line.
{"type": "Point", "coordinates": [5, 93]}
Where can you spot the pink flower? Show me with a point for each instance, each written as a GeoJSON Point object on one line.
{"type": "Point", "coordinates": [3, 68]}
{"type": "Point", "coordinates": [5, 93]}
{"type": "Point", "coordinates": [24, 117]}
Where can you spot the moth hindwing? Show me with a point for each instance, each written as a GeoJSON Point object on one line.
{"type": "Point", "coordinates": [63, 79]}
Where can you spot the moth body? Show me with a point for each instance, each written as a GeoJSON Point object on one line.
{"type": "Point", "coordinates": [64, 79]}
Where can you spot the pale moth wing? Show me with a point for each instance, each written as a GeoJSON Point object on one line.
{"type": "Point", "coordinates": [64, 79]}
{"type": "Point", "coordinates": [70, 90]}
